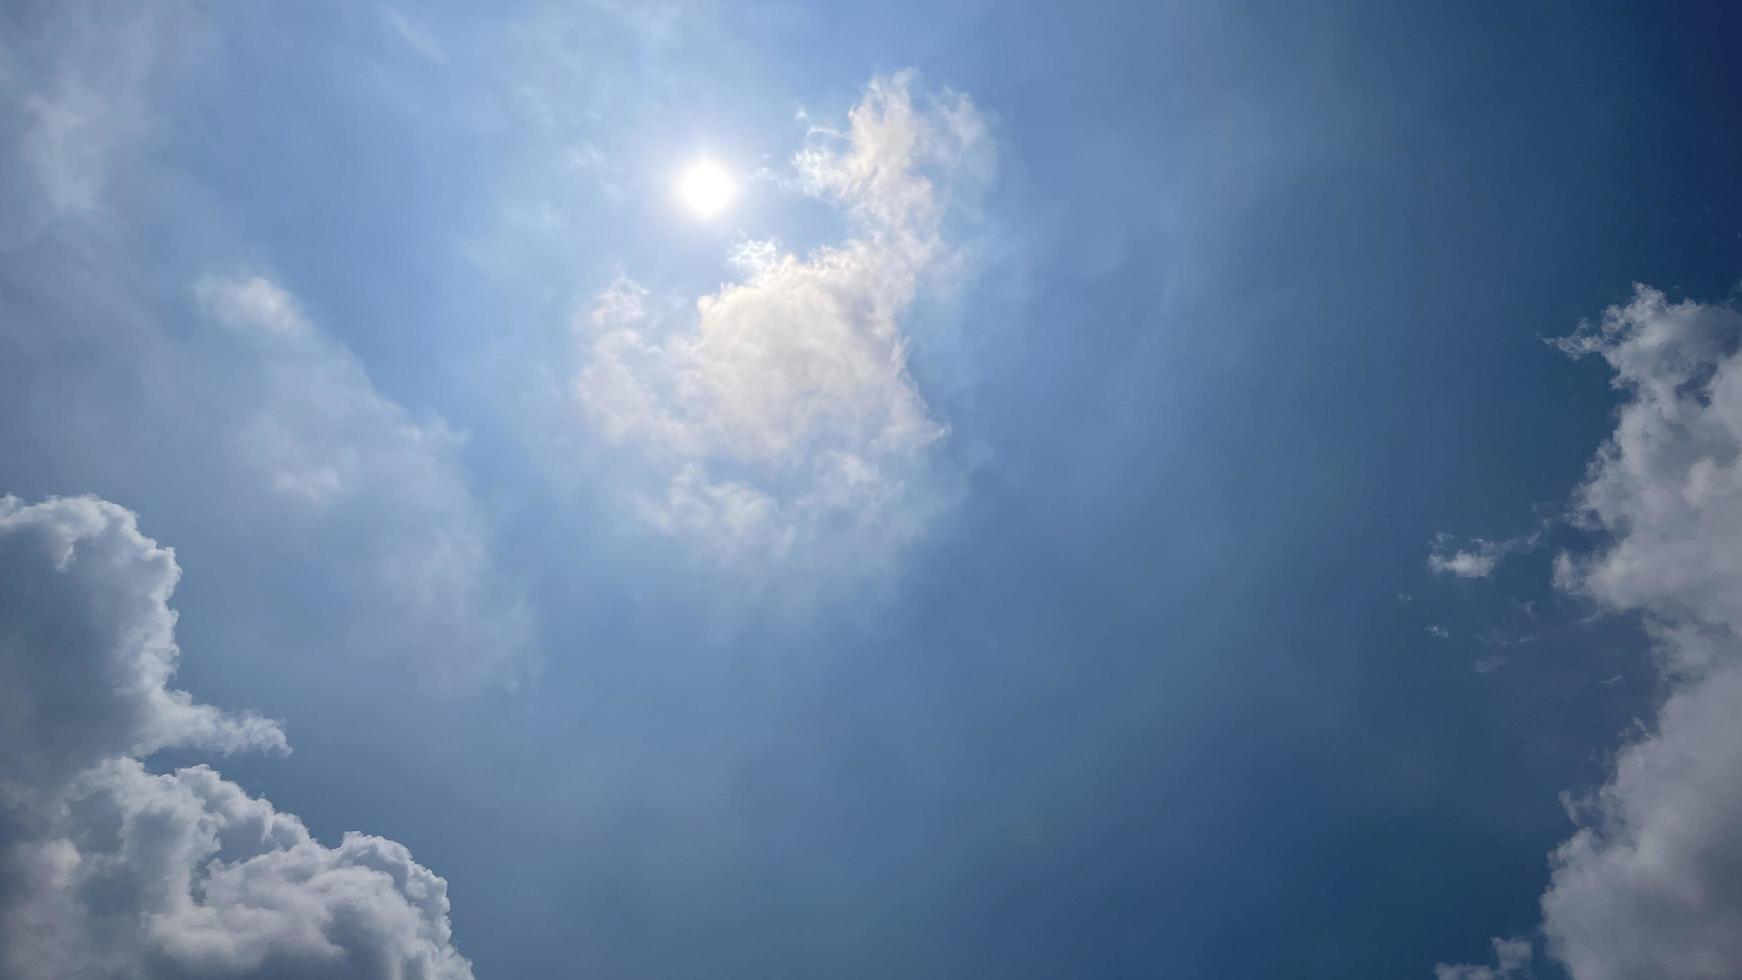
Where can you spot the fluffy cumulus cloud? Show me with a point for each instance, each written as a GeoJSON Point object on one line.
{"type": "Point", "coordinates": [783, 411]}
{"type": "Point", "coordinates": [86, 652]}
{"type": "Point", "coordinates": [1650, 885]}
{"type": "Point", "coordinates": [1667, 483]}
{"type": "Point", "coordinates": [110, 871]}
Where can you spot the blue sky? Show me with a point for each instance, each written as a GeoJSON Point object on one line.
{"type": "Point", "coordinates": [1104, 497]}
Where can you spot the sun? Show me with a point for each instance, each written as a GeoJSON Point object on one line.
{"type": "Point", "coordinates": [706, 189]}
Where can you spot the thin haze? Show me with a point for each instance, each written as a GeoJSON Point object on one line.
{"type": "Point", "coordinates": [691, 489]}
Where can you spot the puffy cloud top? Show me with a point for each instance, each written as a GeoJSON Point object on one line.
{"type": "Point", "coordinates": [110, 871]}
{"type": "Point", "coordinates": [87, 647]}
{"type": "Point", "coordinates": [1669, 482]}
{"type": "Point", "coordinates": [1651, 883]}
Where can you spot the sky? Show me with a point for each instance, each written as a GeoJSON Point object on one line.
{"type": "Point", "coordinates": [687, 489]}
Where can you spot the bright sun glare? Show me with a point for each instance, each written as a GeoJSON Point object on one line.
{"type": "Point", "coordinates": [706, 189]}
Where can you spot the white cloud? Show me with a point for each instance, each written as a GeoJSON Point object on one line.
{"type": "Point", "coordinates": [310, 436]}
{"type": "Point", "coordinates": [1651, 884]}
{"type": "Point", "coordinates": [74, 104]}
{"type": "Point", "coordinates": [1465, 564]}
{"type": "Point", "coordinates": [755, 256]}
{"type": "Point", "coordinates": [1479, 558]}
{"type": "Point", "coordinates": [248, 422]}
{"type": "Point", "coordinates": [253, 302]}
{"type": "Point", "coordinates": [415, 35]}
{"type": "Point", "coordinates": [88, 649]}
{"type": "Point", "coordinates": [109, 871]}
{"type": "Point", "coordinates": [267, 431]}
{"type": "Point", "coordinates": [332, 452]}
{"type": "Point", "coordinates": [1668, 482]}
{"type": "Point", "coordinates": [1511, 960]}
{"type": "Point", "coordinates": [784, 412]}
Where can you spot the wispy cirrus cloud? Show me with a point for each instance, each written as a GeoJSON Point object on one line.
{"type": "Point", "coordinates": [239, 405]}
{"type": "Point", "coordinates": [77, 109]}
{"type": "Point", "coordinates": [414, 34]}
{"type": "Point", "coordinates": [1478, 557]}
